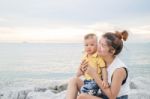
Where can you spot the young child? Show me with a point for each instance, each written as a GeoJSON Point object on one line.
{"type": "Point", "coordinates": [94, 60]}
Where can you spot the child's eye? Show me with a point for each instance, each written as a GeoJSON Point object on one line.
{"type": "Point", "coordinates": [92, 44]}
{"type": "Point", "coordinates": [86, 44]}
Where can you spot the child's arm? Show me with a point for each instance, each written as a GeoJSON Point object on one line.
{"type": "Point", "coordinates": [81, 69]}
{"type": "Point", "coordinates": [105, 77]}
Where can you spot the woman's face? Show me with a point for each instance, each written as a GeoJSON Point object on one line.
{"type": "Point", "coordinates": [103, 48]}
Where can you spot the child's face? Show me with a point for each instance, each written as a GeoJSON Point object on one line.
{"type": "Point", "coordinates": [90, 45]}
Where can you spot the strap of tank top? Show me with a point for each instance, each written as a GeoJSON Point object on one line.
{"type": "Point", "coordinates": [124, 81]}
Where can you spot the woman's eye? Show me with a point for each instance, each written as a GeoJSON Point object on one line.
{"type": "Point", "coordinates": [104, 45]}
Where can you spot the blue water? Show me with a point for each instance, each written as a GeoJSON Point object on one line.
{"type": "Point", "coordinates": [137, 58]}
{"type": "Point", "coordinates": [59, 61]}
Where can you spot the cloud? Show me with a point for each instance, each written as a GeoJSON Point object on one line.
{"type": "Point", "coordinates": [67, 20]}
{"type": "Point", "coordinates": [67, 33]}
{"type": "Point", "coordinates": [141, 30]}
{"type": "Point", "coordinates": [6, 30]}
{"type": "Point", "coordinates": [2, 19]}
{"type": "Point", "coordinates": [43, 34]}
{"type": "Point", "coordinates": [72, 11]}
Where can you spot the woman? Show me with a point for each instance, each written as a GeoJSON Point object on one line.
{"type": "Point", "coordinates": [110, 45]}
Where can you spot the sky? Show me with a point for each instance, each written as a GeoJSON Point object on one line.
{"type": "Point", "coordinates": [70, 20]}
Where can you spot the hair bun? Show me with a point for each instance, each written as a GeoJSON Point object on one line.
{"type": "Point", "coordinates": [122, 35]}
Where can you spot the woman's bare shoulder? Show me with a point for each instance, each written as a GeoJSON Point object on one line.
{"type": "Point", "coordinates": [119, 74]}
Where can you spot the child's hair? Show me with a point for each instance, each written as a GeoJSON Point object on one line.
{"type": "Point", "coordinates": [90, 35]}
{"type": "Point", "coordinates": [115, 40]}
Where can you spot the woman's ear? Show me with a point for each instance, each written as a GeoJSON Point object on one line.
{"type": "Point", "coordinates": [112, 51]}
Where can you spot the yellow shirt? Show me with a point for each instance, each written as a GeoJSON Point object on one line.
{"type": "Point", "coordinates": [95, 61]}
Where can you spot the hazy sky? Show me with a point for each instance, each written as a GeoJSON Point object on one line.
{"type": "Point", "coordinates": [69, 20]}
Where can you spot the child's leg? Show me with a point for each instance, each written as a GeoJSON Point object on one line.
{"type": "Point", "coordinates": [85, 88]}
{"type": "Point", "coordinates": [90, 87]}
{"type": "Point", "coordinates": [94, 88]}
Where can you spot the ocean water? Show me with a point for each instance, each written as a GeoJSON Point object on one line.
{"type": "Point", "coordinates": [36, 61]}
{"type": "Point", "coordinates": [31, 63]}
{"type": "Point", "coordinates": [59, 61]}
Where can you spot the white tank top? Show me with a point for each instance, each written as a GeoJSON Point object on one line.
{"type": "Point", "coordinates": [117, 63]}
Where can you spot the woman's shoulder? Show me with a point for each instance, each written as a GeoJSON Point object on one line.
{"type": "Point", "coordinates": [118, 63]}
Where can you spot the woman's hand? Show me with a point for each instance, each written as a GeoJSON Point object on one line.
{"type": "Point", "coordinates": [105, 84]}
{"type": "Point", "coordinates": [92, 71]}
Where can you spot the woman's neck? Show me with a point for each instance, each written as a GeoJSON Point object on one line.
{"type": "Point", "coordinates": [109, 60]}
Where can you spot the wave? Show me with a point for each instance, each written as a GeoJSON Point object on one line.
{"type": "Point", "coordinates": [139, 88]}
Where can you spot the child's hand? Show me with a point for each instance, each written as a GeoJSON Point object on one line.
{"type": "Point", "coordinates": [105, 84]}
{"type": "Point", "coordinates": [84, 65]}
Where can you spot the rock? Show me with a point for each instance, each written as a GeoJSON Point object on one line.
{"type": "Point", "coordinates": [40, 89]}
{"type": "Point", "coordinates": [133, 85]}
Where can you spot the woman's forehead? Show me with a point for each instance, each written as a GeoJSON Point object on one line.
{"type": "Point", "coordinates": [103, 40]}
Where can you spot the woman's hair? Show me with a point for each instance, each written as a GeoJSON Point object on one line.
{"type": "Point", "coordinates": [115, 40]}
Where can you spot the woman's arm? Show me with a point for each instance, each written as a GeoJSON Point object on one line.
{"type": "Point", "coordinates": [104, 74]}
{"type": "Point", "coordinates": [79, 72]}
{"type": "Point", "coordinates": [113, 90]}
{"type": "Point", "coordinates": [105, 77]}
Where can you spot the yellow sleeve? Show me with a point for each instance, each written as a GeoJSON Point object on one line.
{"type": "Point", "coordinates": [101, 63]}
{"type": "Point", "coordinates": [83, 58]}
